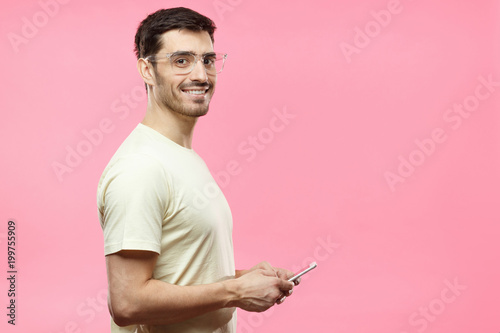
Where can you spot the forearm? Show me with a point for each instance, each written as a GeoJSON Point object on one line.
{"type": "Point", "coordinates": [160, 303]}
{"type": "Point", "coordinates": [240, 272]}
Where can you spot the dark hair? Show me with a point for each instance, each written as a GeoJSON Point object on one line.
{"type": "Point", "coordinates": [148, 36]}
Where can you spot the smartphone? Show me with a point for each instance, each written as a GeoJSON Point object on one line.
{"type": "Point", "coordinates": [297, 275]}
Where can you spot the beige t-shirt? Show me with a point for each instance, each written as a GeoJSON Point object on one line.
{"type": "Point", "coordinates": [156, 195]}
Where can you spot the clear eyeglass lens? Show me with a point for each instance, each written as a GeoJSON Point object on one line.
{"type": "Point", "coordinates": [184, 62]}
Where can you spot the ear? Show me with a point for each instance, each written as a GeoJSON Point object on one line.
{"type": "Point", "coordinates": [146, 71]}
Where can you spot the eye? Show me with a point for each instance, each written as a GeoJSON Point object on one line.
{"type": "Point", "coordinates": [182, 61]}
{"type": "Point", "coordinates": [209, 60]}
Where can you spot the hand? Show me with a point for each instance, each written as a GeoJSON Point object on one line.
{"type": "Point", "coordinates": [259, 289]}
{"type": "Point", "coordinates": [280, 272]}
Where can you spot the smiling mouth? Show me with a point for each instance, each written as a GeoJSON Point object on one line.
{"type": "Point", "coordinates": [195, 92]}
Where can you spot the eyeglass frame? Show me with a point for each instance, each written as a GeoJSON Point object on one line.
{"type": "Point", "coordinates": [198, 57]}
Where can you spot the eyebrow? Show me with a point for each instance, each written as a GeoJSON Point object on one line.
{"type": "Point", "coordinates": [193, 53]}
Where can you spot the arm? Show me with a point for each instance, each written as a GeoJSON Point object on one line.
{"type": "Point", "coordinates": [136, 298]}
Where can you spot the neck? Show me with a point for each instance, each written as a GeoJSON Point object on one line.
{"type": "Point", "coordinates": [175, 126]}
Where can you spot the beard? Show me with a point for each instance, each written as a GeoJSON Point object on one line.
{"type": "Point", "coordinates": [174, 101]}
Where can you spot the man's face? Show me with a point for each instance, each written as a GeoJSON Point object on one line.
{"type": "Point", "coordinates": [180, 93]}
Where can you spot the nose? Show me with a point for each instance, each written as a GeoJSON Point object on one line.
{"type": "Point", "coordinates": [199, 72]}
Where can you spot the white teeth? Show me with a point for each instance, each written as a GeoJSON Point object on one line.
{"type": "Point", "coordinates": [195, 92]}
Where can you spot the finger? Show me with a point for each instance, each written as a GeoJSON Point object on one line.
{"type": "Point", "coordinates": [281, 300]}
{"type": "Point", "coordinates": [267, 272]}
{"type": "Point", "coordinates": [284, 273]}
{"type": "Point", "coordinates": [265, 265]}
{"type": "Point", "coordinates": [285, 286]}
{"type": "Point", "coordinates": [297, 281]}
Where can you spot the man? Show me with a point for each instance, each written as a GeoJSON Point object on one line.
{"type": "Point", "coordinates": [170, 261]}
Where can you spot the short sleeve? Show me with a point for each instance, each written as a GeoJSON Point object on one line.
{"type": "Point", "coordinates": [132, 200]}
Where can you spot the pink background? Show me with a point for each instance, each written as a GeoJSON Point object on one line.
{"type": "Point", "coordinates": [315, 190]}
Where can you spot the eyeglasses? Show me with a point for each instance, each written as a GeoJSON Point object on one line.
{"type": "Point", "coordinates": [183, 62]}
